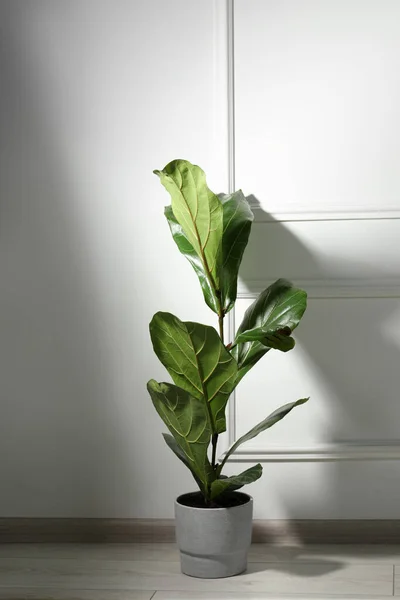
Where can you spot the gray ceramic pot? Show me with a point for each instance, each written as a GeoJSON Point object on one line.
{"type": "Point", "coordinates": [213, 542]}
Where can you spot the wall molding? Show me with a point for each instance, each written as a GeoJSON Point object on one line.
{"type": "Point", "coordinates": [379, 288]}
{"type": "Point", "coordinates": [330, 288]}
{"type": "Point", "coordinates": [230, 10]}
{"type": "Point", "coordinates": [315, 215]}
{"type": "Point", "coordinates": [230, 66]}
{"type": "Point", "coordinates": [380, 450]}
{"type": "Point", "coordinates": [334, 211]}
{"type": "Point", "coordinates": [322, 289]}
{"type": "Point", "coordinates": [152, 531]}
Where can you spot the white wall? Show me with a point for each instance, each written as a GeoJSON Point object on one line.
{"type": "Point", "coordinates": [317, 143]}
{"type": "Point", "coordinates": [95, 95]}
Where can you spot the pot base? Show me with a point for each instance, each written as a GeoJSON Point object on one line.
{"type": "Point", "coordinates": [215, 566]}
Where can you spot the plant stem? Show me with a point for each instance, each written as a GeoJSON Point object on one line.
{"type": "Point", "coordinates": [221, 316]}
{"type": "Point", "coordinates": [221, 327]}
{"type": "Point", "coordinates": [214, 442]}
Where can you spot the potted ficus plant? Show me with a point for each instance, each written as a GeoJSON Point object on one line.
{"type": "Point", "coordinates": [213, 525]}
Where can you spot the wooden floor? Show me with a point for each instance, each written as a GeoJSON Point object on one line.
{"type": "Point", "coordinates": [151, 571]}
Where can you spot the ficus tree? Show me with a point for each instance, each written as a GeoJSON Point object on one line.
{"type": "Point", "coordinates": [212, 232]}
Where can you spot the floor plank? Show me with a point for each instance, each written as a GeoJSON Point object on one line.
{"type": "Point", "coordinates": [350, 554]}
{"type": "Point", "coordinates": [256, 596]}
{"type": "Point", "coordinates": [50, 594]}
{"type": "Point", "coordinates": [159, 551]}
{"type": "Point", "coordinates": [320, 577]}
{"type": "Point", "coordinates": [396, 586]}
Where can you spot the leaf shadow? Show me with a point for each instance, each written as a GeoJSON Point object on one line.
{"type": "Point", "coordinates": [346, 342]}
{"type": "Point", "coordinates": [299, 567]}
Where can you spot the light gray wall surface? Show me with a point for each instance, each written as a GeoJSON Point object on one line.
{"type": "Point", "coordinates": [94, 95]}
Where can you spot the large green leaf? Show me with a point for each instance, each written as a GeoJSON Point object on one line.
{"type": "Point", "coordinates": [228, 484]}
{"type": "Point", "coordinates": [188, 421]}
{"type": "Point", "coordinates": [197, 361]}
{"type": "Point", "coordinates": [238, 218]}
{"type": "Point", "coordinates": [273, 418]}
{"type": "Point", "coordinates": [199, 212]}
{"type": "Point", "coordinates": [237, 221]}
{"type": "Point", "coordinates": [187, 250]}
{"type": "Point", "coordinates": [177, 450]}
{"type": "Point", "coordinates": [268, 323]}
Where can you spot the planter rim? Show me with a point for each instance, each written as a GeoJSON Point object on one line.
{"type": "Point", "coordinates": [249, 500]}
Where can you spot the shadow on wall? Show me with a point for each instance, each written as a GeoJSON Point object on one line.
{"type": "Point", "coordinates": [58, 432]}
{"type": "Point", "coordinates": [345, 342]}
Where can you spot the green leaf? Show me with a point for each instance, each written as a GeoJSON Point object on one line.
{"type": "Point", "coordinates": [267, 322]}
{"type": "Point", "coordinates": [237, 218]}
{"type": "Point", "coordinates": [189, 252]}
{"type": "Point", "coordinates": [273, 418]}
{"type": "Point", "coordinates": [197, 361]}
{"type": "Point", "coordinates": [199, 212]}
{"type": "Point", "coordinates": [237, 221]}
{"type": "Point", "coordinates": [227, 484]}
{"type": "Point", "coordinates": [211, 231]}
{"type": "Point", "coordinates": [177, 450]}
{"type": "Point", "coordinates": [188, 421]}
{"type": "Point", "coordinates": [279, 339]}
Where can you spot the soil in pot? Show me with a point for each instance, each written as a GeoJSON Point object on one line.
{"type": "Point", "coordinates": [228, 500]}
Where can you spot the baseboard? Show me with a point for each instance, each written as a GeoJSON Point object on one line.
{"type": "Point", "coordinates": [357, 531]}
{"type": "Point", "coordinates": [31, 530]}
